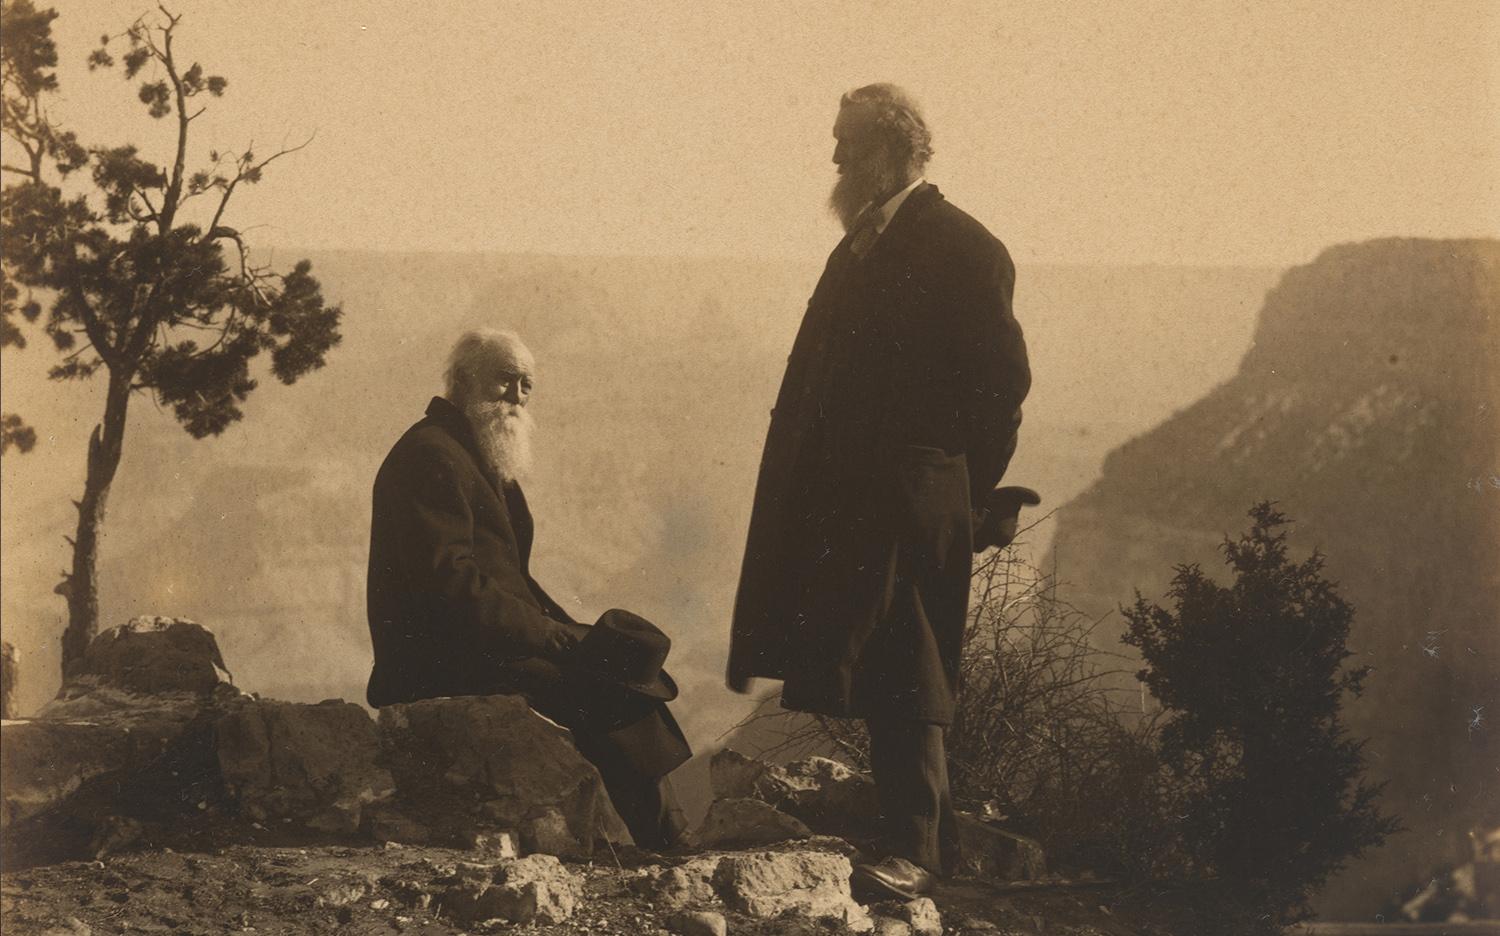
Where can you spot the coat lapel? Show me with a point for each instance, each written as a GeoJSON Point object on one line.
{"type": "Point", "coordinates": [897, 231]}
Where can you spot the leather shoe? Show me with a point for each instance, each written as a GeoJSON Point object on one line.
{"type": "Point", "coordinates": [892, 879]}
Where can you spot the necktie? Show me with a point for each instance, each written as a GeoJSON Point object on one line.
{"type": "Point", "coordinates": [865, 231]}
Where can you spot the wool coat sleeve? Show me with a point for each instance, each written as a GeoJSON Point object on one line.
{"type": "Point", "coordinates": [993, 371]}
{"type": "Point", "coordinates": [481, 599]}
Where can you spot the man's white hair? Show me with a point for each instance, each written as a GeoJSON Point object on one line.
{"type": "Point", "coordinates": [476, 350]}
{"type": "Point", "coordinates": [894, 115]}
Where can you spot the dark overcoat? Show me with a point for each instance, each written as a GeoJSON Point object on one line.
{"type": "Point", "coordinates": [898, 410]}
{"type": "Point", "coordinates": [451, 601]}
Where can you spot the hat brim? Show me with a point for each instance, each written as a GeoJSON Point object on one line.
{"type": "Point", "coordinates": [663, 689]}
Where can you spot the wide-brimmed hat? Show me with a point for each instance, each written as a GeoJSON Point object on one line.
{"type": "Point", "coordinates": [628, 651]}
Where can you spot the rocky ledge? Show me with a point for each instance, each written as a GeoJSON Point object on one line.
{"type": "Point", "coordinates": [152, 795]}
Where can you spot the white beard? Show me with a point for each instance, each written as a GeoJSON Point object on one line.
{"type": "Point", "coordinates": [503, 431]}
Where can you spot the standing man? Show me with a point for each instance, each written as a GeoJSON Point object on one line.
{"type": "Point", "coordinates": [454, 610]}
{"type": "Point", "coordinates": [897, 416]}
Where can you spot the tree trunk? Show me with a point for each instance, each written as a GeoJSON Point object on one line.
{"type": "Point", "coordinates": [81, 585]}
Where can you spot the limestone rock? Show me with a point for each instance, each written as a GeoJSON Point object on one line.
{"type": "Point", "coordinates": [732, 775]}
{"type": "Point", "coordinates": [742, 822]}
{"type": "Point", "coordinates": [62, 781]}
{"type": "Point", "coordinates": [698, 923]}
{"type": "Point", "coordinates": [129, 736]}
{"type": "Point", "coordinates": [889, 926]}
{"type": "Point", "coordinates": [548, 833]}
{"type": "Point", "coordinates": [994, 854]}
{"type": "Point", "coordinates": [460, 902]}
{"type": "Point", "coordinates": [537, 888]}
{"type": "Point", "coordinates": [501, 843]}
{"type": "Point", "coordinates": [829, 797]}
{"type": "Point", "coordinates": [313, 764]}
{"type": "Point", "coordinates": [809, 884]}
{"type": "Point", "coordinates": [150, 656]}
{"type": "Point", "coordinates": [687, 884]}
{"type": "Point", "coordinates": [491, 760]}
{"type": "Point", "coordinates": [47, 762]}
{"type": "Point", "coordinates": [923, 917]}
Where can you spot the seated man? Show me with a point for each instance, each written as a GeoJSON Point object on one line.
{"type": "Point", "coordinates": [454, 610]}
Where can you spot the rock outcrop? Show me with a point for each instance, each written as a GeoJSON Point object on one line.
{"type": "Point", "coordinates": [490, 759]}
{"type": "Point", "coordinates": [149, 736]}
{"type": "Point", "coordinates": [537, 888]}
{"type": "Point", "coordinates": [748, 822]}
{"type": "Point", "coordinates": [129, 738]}
{"type": "Point", "coordinates": [1368, 407]}
{"type": "Point", "coordinates": [315, 765]}
{"type": "Point", "coordinates": [151, 656]}
{"type": "Point", "coordinates": [805, 882]}
{"type": "Point", "coordinates": [830, 798]}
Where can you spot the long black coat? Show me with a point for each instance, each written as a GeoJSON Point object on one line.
{"type": "Point", "coordinates": [898, 410]}
{"type": "Point", "coordinates": [451, 601]}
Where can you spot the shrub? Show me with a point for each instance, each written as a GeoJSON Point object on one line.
{"type": "Point", "coordinates": [1261, 774]}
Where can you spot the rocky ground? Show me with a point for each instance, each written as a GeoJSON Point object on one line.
{"type": "Point", "coordinates": [417, 890]}
{"type": "Point", "coordinates": [153, 796]}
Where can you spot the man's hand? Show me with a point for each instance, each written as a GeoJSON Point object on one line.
{"type": "Point", "coordinates": [996, 526]}
{"type": "Point", "coordinates": [562, 637]}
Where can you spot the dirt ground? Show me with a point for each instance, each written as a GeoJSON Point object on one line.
{"type": "Point", "coordinates": [365, 891]}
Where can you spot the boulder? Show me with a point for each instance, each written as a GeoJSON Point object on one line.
{"type": "Point", "coordinates": [889, 926]}
{"type": "Point", "coordinates": [150, 656]}
{"type": "Point", "coordinates": [688, 884]}
{"type": "Point", "coordinates": [100, 756]}
{"type": "Point", "coordinates": [732, 775]}
{"type": "Point", "coordinates": [537, 888]}
{"type": "Point", "coordinates": [922, 916]}
{"type": "Point", "coordinates": [992, 853]}
{"type": "Point", "coordinates": [734, 823]}
{"type": "Point", "coordinates": [828, 796]}
{"type": "Point", "coordinates": [698, 923]}
{"type": "Point", "coordinates": [489, 761]}
{"type": "Point", "coordinates": [315, 765]}
{"type": "Point", "coordinates": [812, 884]}
{"type": "Point", "coordinates": [831, 797]}
{"type": "Point", "coordinates": [46, 763]}
{"type": "Point", "coordinates": [494, 844]}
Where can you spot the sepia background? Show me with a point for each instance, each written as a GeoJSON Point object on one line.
{"type": "Point", "coordinates": [638, 189]}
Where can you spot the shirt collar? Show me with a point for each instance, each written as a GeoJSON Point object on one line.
{"type": "Point", "coordinates": [893, 204]}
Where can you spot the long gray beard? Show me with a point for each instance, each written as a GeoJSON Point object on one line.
{"type": "Point", "coordinates": [504, 433]}
{"type": "Point", "coordinates": [858, 186]}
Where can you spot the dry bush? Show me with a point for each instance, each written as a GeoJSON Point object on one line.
{"type": "Point", "coordinates": [1044, 738]}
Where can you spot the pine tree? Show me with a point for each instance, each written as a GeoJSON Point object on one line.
{"type": "Point", "coordinates": [146, 281]}
{"type": "Point", "coordinates": [1253, 677]}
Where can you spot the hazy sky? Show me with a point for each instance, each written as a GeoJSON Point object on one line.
{"type": "Point", "coordinates": [1109, 131]}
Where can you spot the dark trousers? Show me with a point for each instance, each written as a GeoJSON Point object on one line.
{"type": "Point", "coordinates": [910, 767]}
{"type": "Point", "coordinates": [645, 800]}
{"type": "Point", "coordinates": [632, 740]}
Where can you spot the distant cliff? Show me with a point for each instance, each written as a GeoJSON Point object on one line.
{"type": "Point", "coordinates": [1366, 407]}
